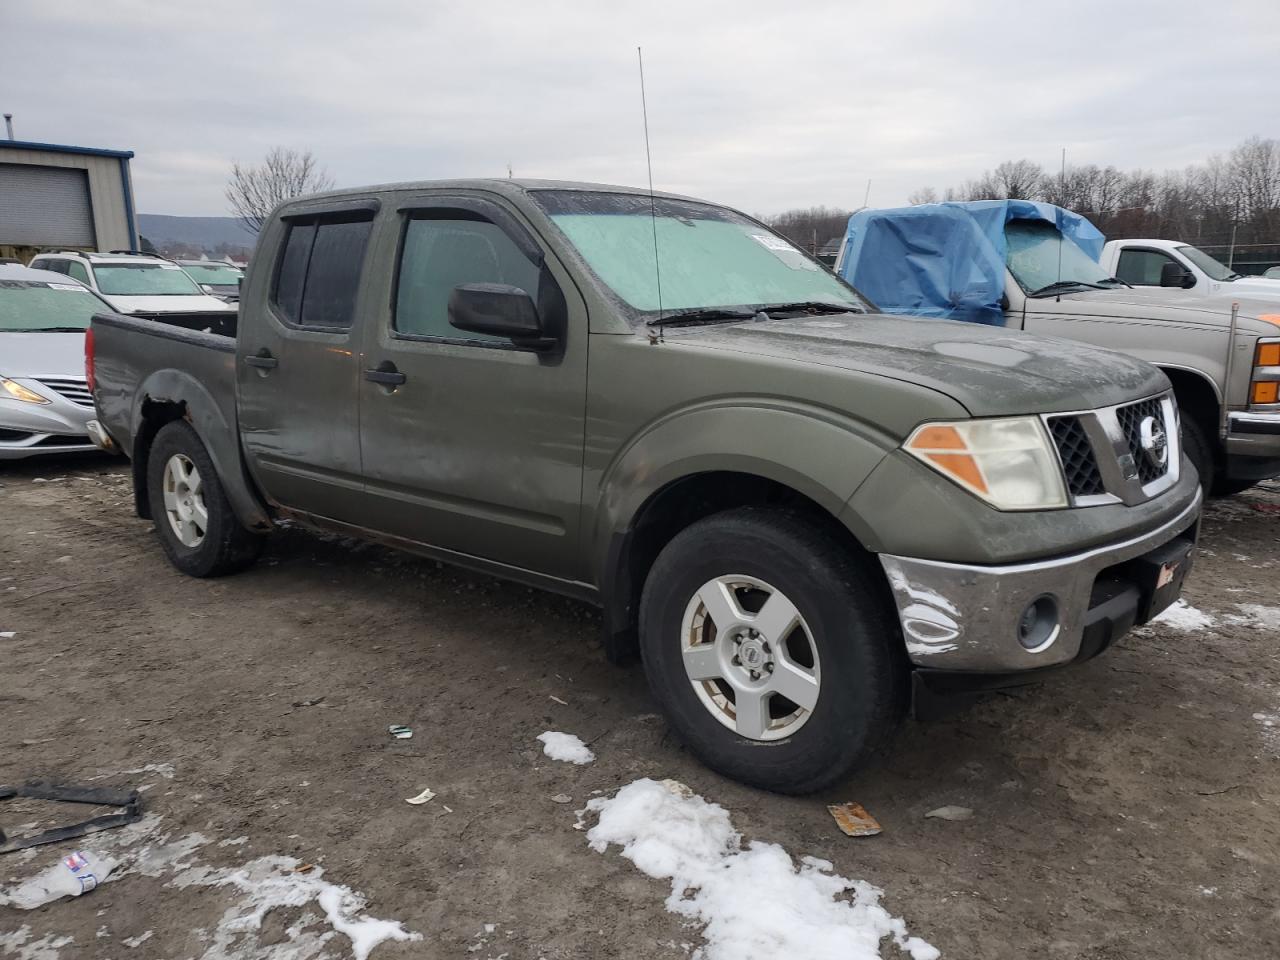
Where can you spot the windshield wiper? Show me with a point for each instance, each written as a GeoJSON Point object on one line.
{"type": "Point", "coordinates": [810, 306]}
{"type": "Point", "coordinates": [1059, 285]}
{"type": "Point", "coordinates": [700, 315]}
{"type": "Point", "coordinates": [1116, 280]}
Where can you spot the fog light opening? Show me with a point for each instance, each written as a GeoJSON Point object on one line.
{"type": "Point", "coordinates": [1038, 627]}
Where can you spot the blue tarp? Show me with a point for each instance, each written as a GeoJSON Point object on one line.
{"type": "Point", "coordinates": [946, 260]}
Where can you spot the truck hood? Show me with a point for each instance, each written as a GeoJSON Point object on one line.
{"type": "Point", "coordinates": [41, 355]}
{"type": "Point", "coordinates": [193, 304]}
{"type": "Point", "coordinates": [1169, 303]}
{"type": "Point", "coordinates": [990, 371]}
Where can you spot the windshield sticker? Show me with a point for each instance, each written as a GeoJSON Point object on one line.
{"type": "Point", "coordinates": [777, 244]}
{"type": "Point", "coordinates": [73, 287]}
{"type": "Point", "coordinates": [169, 266]}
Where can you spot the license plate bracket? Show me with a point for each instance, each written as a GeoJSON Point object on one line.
{"type": "Point", "coordinates": [1159, 575]}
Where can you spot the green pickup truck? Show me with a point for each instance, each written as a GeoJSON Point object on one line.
{"type": "Point", "coordinates": [799, 511]}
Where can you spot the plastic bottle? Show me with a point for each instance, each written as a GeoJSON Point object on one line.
{"type": "Point", "coordinates": [69, 877]}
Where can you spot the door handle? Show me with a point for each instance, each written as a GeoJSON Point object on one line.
{"type": "Point", "coordinates": [386, 374]}
{"type": "Point", "coordinates": [263, 360]}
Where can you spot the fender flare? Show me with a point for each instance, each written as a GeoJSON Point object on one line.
{"type": "Point", "coordinates": [220, 437]}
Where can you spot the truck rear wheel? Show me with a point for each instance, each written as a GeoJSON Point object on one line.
{"type": "Point", "coordinates": [774, 650]}
{"type": "Point", "coordinates": [197, 527]}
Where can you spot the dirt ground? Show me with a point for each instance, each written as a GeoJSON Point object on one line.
{"type": "Point", "coordinates": [1126, 809]}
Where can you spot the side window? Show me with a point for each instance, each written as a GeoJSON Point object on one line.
{"type": "Point", "coordinates": [56, 266]}
{"type": "Point", "coordinates": [76, 269]}
{"type": "Point", "coordinates": [319, 272]}
{"type": "Point", "coordinates": [292, 273]}
{"type": "Point", "coordinates": [1141, 267]}
{"type": "Point", "coordinates": [445, 252]}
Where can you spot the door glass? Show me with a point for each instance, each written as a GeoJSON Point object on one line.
{"type": "Point", "coordinates": [439, 255]}
{"type": "Point", "coordinates": [333, 275]}
{"type": "Point", "coordinates": [293, 271]}
{"type": "Point", "coordinates": [1141, 267]}
{"type": "Point", "coordinates": [77, 270]}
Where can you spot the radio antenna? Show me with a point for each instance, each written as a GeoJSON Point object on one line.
{"type": "Point", "coordinates": [653, 209]}
{"type": "Point", "coordinates": [1062, 198]}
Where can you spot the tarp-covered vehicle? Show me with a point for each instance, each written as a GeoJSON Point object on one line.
{"type": "Point", "coordinates": [1034, 267]}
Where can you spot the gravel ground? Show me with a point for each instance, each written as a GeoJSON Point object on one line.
{"type": "Point", "coordinates": [1125, 809]}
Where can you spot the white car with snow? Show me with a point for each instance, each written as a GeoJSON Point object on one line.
{"type": "Point", "coordinates": [133, 282]}
{"type": "Point", "coordinates": [1172, 263]}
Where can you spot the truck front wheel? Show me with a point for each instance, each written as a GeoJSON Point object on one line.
{"type": "Point", "coordinates": [773, 648]}
{"type": "Point", "coordinates": [1195, 441]}
{"type": "Point", "coordinates": [197, 527]}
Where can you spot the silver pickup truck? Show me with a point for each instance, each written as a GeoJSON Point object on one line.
{"type": "Point", "coordinates": [1034, 267]}
{"type": "Point", "coordinates": [796, 508]}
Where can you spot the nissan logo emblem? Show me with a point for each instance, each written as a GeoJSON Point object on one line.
{"type": "Point", "coordinates": [1155, 443]}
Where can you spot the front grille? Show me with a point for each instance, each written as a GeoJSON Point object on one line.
{"type": "Point", "coordinates": [1079, 463]}
{"type": "Point", "coordinates": [74, 389]}
{"type": "Point", "coordinates": [1131, 418]}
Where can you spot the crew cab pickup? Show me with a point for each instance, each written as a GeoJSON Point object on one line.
{"type": "Point", "coordinates": [1172, 263]}
{"type": "Point", "coordinates": [796, 508]}
{"type": "Point", "coordinates": [1034, 267]}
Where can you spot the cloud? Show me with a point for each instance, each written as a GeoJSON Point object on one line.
{"type": "Point", "coordinates": [761, 105]}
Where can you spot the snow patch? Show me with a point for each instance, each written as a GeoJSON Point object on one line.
{"type": "Point", "coordinates": [19, 943]}
{"type": "Point", "coordinates": [672, 834]}
{"type": "Point", "coordinates": [1183, 616]}
{"type": "Point", "coordinates": [1257, 615]}
{"type": "Point", "coordinates": [261, 885]}
{"type": "Point", "coordinates": [566, 747]}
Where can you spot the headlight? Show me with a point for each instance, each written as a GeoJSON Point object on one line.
{"type": "Point", "coordinates": [19, 392]}
{"type": "Point", "coordinates": [1009, 462]}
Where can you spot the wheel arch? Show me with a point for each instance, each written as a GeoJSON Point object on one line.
{"type": "Point", "coordinates": [1197, 396]}
{"type": "Point", "coordinates": [170, 395]}
{"type": "Point", "coordinates": [631, 551]}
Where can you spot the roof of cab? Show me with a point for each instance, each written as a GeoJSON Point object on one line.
{"type": "Point", "coordinates": [500, 185]}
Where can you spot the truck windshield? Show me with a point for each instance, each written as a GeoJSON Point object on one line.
{"type": "Point", "coordinates": [27, 306]}
{"type": "Point", "coordinates": [1039, 258]}
{"type": "Point", "coordinates": [144, 280]}
{"type": "Point", "coordinates": [1214, 269]}
{"type": "Point", "coordinates": [710, 257]}
{"type": "Point", "coordinates": [215, 274]}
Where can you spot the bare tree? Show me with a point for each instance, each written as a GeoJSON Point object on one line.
{"type": "Point", "coordinates": [253, 192]}
{"type": "Point", "coordinates": [925, 195]}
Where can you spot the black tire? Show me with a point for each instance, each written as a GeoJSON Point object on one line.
{"type": "Point", "coordinates": [226, 546]}
{"type": "Point", "coordinates": [1195, 441]}
{"type": "Point", "coordinates": [842, 597]}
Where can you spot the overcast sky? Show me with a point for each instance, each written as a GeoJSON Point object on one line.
{"type": "Point", "coordinates": [763, 105]}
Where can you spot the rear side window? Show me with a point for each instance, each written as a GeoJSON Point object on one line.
{"type": "Point", "coordinates": [442, 253]}
{"type": "Point", "coordinates": [319, 273]}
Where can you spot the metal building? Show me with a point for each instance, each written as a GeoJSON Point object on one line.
{"type": "Point", "coordinates": [64, 198]}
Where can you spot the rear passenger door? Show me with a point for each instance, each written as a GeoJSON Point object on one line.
{"type": "Point", "coordinates": [297, 362]}
{"type": "Point", "coordinates": [478, 449]}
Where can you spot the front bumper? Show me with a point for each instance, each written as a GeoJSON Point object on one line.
{"type": "Point", "coordinates": [1253, 444]}
{"type": "Point", "coordinates": [958, 617]}
{"type": "Point", "coordinates": [38, 429]}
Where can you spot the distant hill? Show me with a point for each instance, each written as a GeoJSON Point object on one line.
{"type": "Point", "coordinates": [206, 232]}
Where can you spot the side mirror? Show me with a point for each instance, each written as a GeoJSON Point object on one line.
{"type": "Point", "coordinates": [1175, 275]}
{"type": "Point", "coordinates": [206, 288]}
{"type": "Point", "coordinates": [499, 310]}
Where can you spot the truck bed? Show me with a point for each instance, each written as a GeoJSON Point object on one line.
{"type": "Point", "coordinates": [142, 365]}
